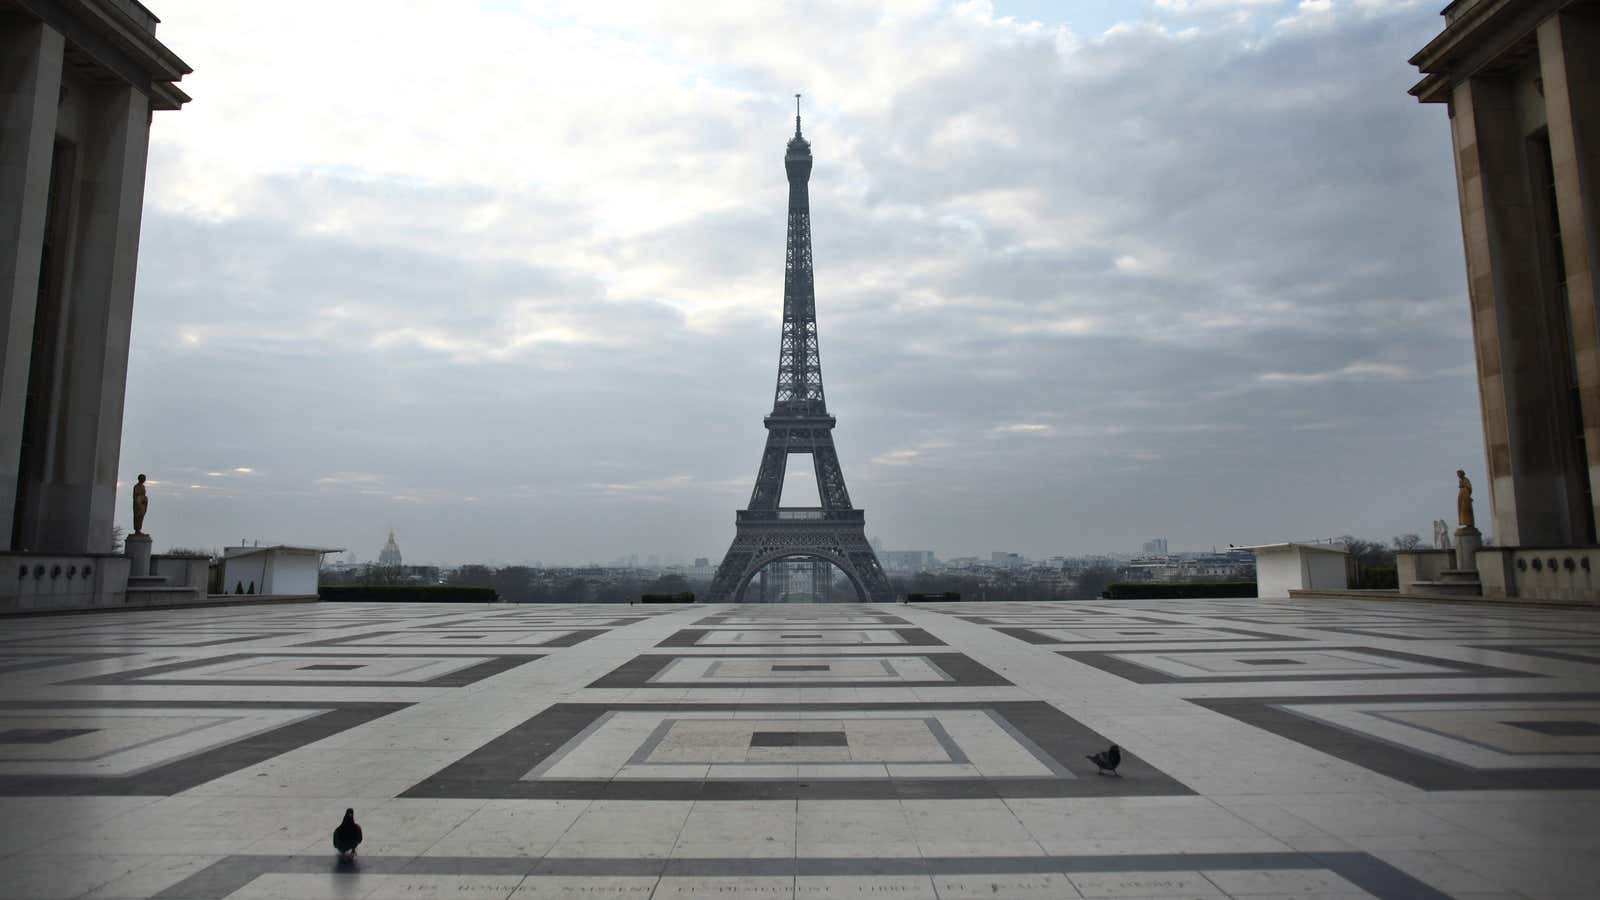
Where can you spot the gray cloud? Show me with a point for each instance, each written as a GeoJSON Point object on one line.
{"type": "Point", "coordinates": [1074, 292]}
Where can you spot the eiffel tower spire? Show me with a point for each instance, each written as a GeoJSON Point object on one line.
{"type": "Point", "coordinates": [835, 532]}
{"type": "Point", "coordinates": [799, 361]}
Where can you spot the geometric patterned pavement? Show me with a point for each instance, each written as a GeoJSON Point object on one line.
{"type": "Point", "coordinates": [1271, 749]}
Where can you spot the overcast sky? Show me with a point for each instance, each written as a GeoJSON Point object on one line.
{"type": "Point", "coordinates": [506, 276]}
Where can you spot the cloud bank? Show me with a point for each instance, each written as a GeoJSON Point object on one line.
{"type": "Point", "coordinates": [506, 277]}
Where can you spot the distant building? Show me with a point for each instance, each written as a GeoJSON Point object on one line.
{"type": "Point", "coordinates": [794, 581]}
{"type": "Point", "coordinates": [1234, 565]}
{"type": "Point", "coordinates": [908, 561]}
{"type": "Point", "coordinates": [1005, 559]}
{"type": "Point", "coordinates": [1155, 547]}
{"type": "Point", "coordinates": [389, 556]}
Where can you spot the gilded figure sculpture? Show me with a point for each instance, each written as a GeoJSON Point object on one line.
{"type": "Point", "coordinates": [1464, 499]}
{"type": "Point", "coordinates": [141, 504]}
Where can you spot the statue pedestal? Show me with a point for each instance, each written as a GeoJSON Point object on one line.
{"type": "Point", "coordinates": [137, 548]}
{"type": "Point", "coordinates": [1468, 540]}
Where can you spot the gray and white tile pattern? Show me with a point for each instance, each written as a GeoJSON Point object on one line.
{"type": "Point", "coordinates": [1273, 749]}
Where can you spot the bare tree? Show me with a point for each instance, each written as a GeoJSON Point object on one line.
{"type": "Point", "coordinates": [1408, 542]}
{"type": "Point", "coordinates": [1367, 553]}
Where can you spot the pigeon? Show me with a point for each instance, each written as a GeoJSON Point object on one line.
{"type": "Point", "coordinates": [1107, 761]}
{"type": "Point", "coordinates": [348, 835]}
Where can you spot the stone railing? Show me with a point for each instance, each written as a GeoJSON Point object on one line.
{"type": "Point", "coordinates": [38, 581]}
{"type": "Point", "coordinates": [800, 514]}
{"type": "Point", "coordinates": [182, 570]}
{"type": "Point", "coordinates": [1548, 574]}
{"type": "Point", "coordinates": [1429, 565]}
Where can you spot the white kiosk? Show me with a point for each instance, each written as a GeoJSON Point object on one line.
{"type": "Point", "coordinates": [1281, 568]}
{"type": "Point", "coordinates": [277, 570]}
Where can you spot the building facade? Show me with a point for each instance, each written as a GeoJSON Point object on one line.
{"type": "Point", "coordinates": [908, 561]}
{"type": "Point", "coordinates": [389, 557]}
{"type": "Point", "coordinates": [80, 82]}
{"type": "Point", "coordinates": [79, 85]}
{"type": "Point", "coordinates": [1520, 80]}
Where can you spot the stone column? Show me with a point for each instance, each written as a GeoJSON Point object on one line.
{"type": "Point", "coordinates": [1520, 374]}
{"type": "Point", "coordinates": [30, 64]}
{"type": "Point", "coordinates": [137, 548]}
{"type": "Point", "coordinates": [1571, 75]}
{"type": "Point", "coordinates": [83, 493]}
{"type": "Point", "coordinates": [1468, 541]}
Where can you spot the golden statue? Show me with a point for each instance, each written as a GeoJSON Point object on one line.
{"type": "Point", "coordinates": [1464, 499]}
{"type": "Point", "coordinates": [141, 505]}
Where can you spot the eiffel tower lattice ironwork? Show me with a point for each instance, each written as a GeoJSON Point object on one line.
{"type": "Point", "coordinates": [765, 532]}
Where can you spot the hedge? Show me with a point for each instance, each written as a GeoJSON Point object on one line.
{"type": "Point", "coordinates": [946, 597]}
{"type": "Point", "coordinates": [685, 597]}
{"type": "Point", "coordinates": [1184, 590]}
{"type": "Point", "coordinates": [408, 593]}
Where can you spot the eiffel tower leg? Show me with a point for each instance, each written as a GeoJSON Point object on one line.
{"type": "Point", "coordinates": [725, 584]}
{"type": "Point", "coordinates": [867, 573]}
{"type": "Point", "coordinates": [756, 544]}
{"type": "Point", "coordinates": [769, 479]}
{"type": "Point", "coordinates": [830, 477]}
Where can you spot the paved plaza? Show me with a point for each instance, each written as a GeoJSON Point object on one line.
{"type": "Point", "coordinates": [1271, 749]}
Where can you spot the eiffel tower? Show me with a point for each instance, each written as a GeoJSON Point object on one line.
{"type": "Point", "coordinates": [764, 532]}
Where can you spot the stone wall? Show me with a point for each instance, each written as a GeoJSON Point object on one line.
{"type": "Point", "coordinates": [1412, 566]}
{"type": "Point", "coordinates": [1547, 574]}
{"type": "Point", "coordinates": [33, 581]}
{"type": "Point", "coordinates": [182, 570]}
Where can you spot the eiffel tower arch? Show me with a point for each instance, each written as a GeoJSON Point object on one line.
{"type": "Point", "coordinates": [765, 532]}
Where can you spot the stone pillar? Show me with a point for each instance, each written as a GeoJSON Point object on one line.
{"type": "Point", "coordinates": [1468, 542]}
{"type": "Point", "coordinates": [30, 64]}
{"type": "Point", "coordinates": [137, 548]}
{"type": "Point", "coordinates": [83, 492]}
{"type": "Point", "coordinates": [1570, 72]}
{"type": "Point", "coordinates": [1520, 371]}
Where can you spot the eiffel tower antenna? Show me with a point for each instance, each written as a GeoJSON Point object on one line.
{"type": "Point", "coordinates": [834, 532]}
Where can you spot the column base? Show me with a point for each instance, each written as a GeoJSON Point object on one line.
{"type": "Point", "coordinates": [137, 548]}
{"type": "Point", "coordinates": [1468, 540]}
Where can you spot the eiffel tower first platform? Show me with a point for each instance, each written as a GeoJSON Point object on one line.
{"type": "Point", "coordinates": [835, 532]}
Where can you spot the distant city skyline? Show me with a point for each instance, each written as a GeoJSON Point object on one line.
{"type": "Point", "coordinates": [1190, 269]}
{"type": "Point", "coordinates": [897, 560]}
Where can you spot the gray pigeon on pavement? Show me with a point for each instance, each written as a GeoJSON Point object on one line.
{"type": "Point", "coordinates": [1107, 760]}
{"type": "Point", "coordinates": [348, 835]}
